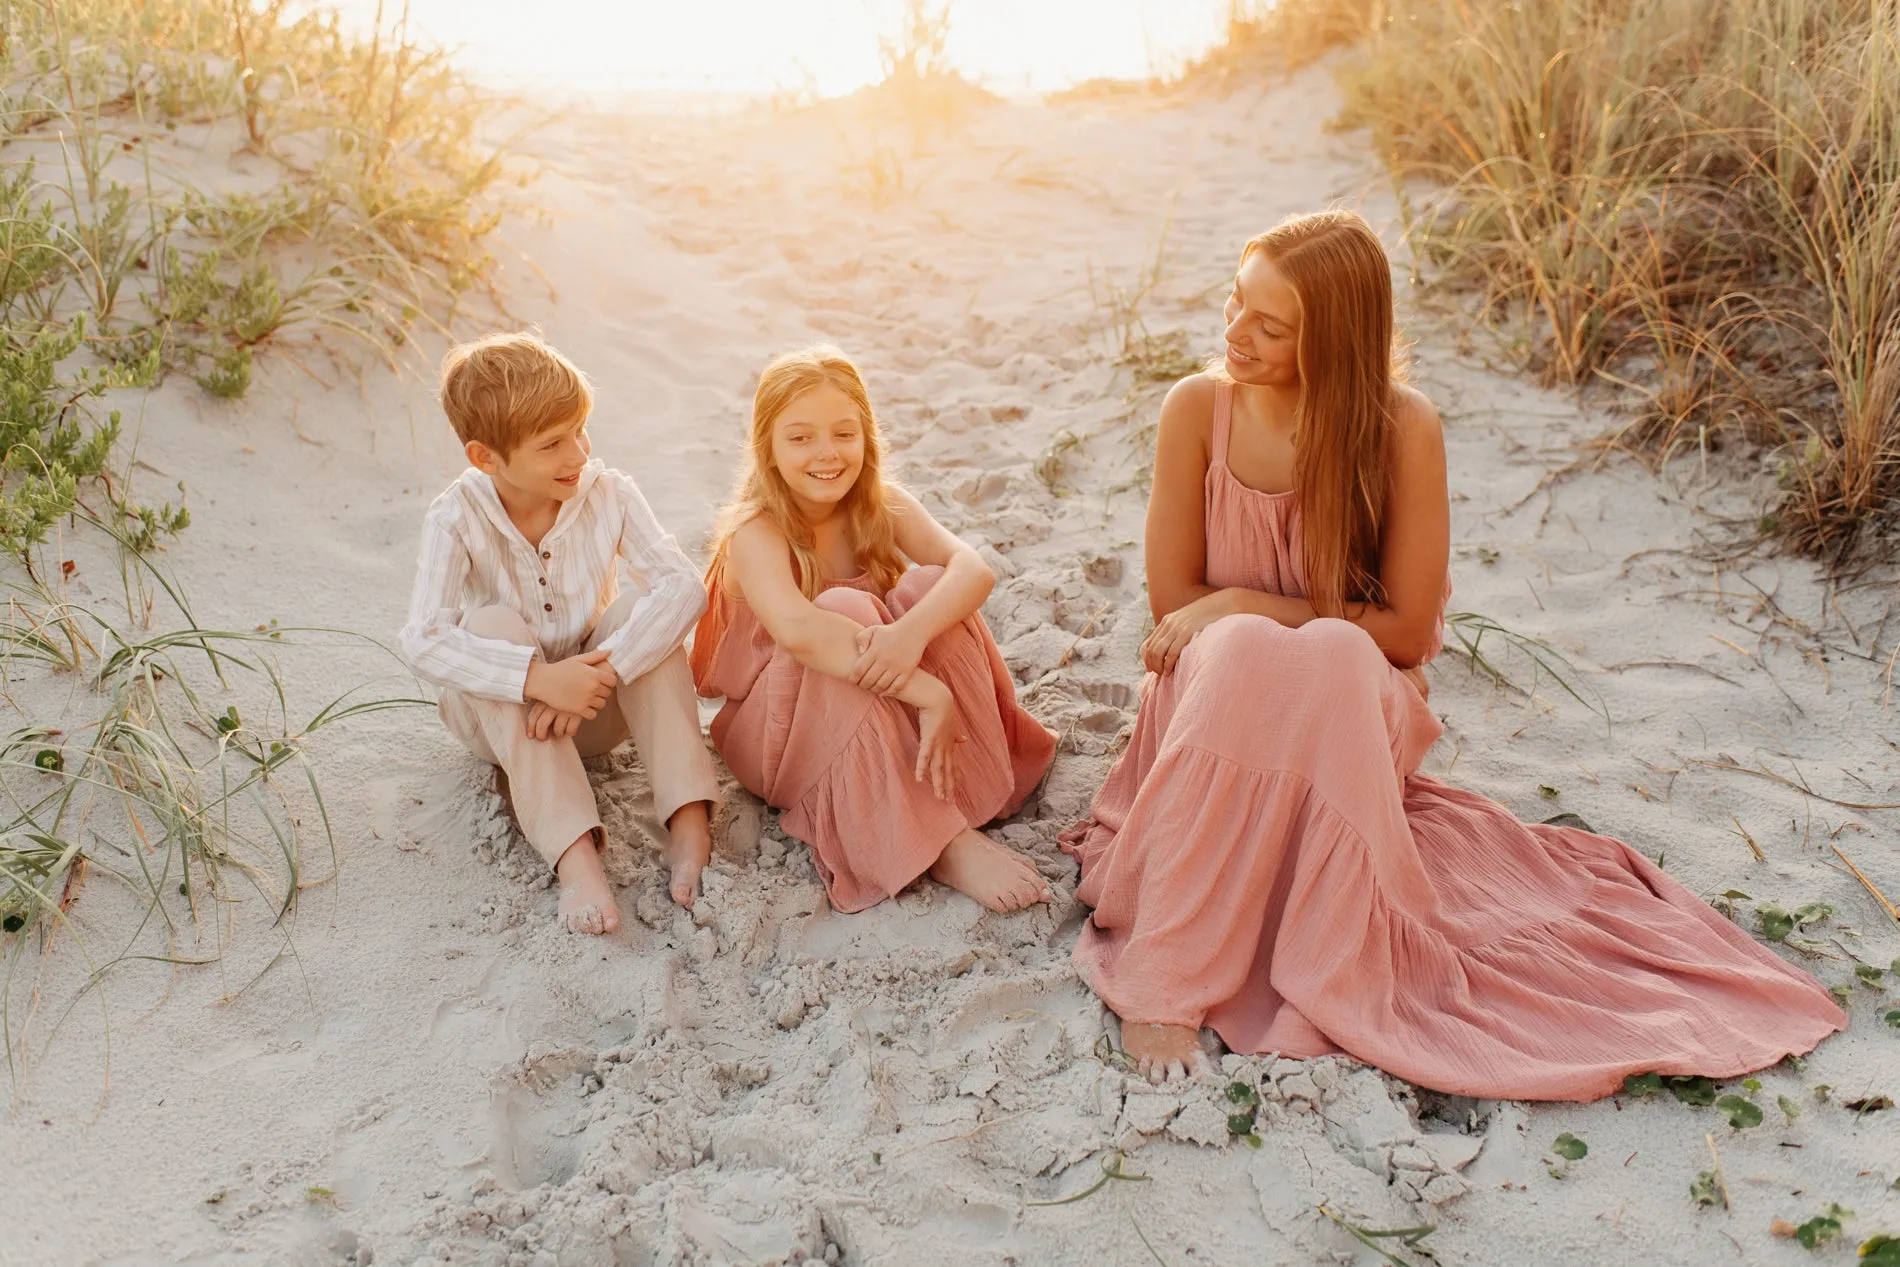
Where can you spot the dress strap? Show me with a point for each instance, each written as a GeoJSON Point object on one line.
{"type": "Point", "coordinates": [1223, 420]}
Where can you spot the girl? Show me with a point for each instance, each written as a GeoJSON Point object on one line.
{"type": "Point", "coordinates": [1265, 859]}
{"type": "Point", "coordinates": [867, 702]}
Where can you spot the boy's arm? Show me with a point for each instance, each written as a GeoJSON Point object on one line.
{"type": "Point", "coordinates": [674, 597]}
{"type": "Point", "coordinates": [433, 642]}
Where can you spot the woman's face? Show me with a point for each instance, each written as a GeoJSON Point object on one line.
{"type": "Point", "coordinates": [1263, 326]}
{"type": "Point", "coordinates": [818, 448]}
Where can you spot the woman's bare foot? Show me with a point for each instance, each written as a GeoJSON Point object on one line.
{"type": "Point", "coordinates": [1164, 1053]}
{"type": "Point", "coordinates": [587, 898]}
{"type": "Point", "coordinates": [688, 849]}
{"type": "Point", "coordinates": [999, 878]}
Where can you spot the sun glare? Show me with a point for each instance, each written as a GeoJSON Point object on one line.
{"type": "Point", "coordinates": [824, 46]}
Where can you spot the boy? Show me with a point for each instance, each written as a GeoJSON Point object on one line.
{"type": "Point", "coordinates": [515, 617]}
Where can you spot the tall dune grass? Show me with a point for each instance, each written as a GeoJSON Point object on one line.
{"type": "Point", "coordinates": [1696, 201]}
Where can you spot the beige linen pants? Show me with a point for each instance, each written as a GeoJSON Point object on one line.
{"type": "Point", "coordinates": [552, 799]}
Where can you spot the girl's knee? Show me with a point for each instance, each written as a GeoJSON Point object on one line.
{"type": "Point", "coordinates": [499, 624]}
{"type": "Point", "coordinates": [915, 583]}
{"type": "Point", "coordinates": [853, 603]}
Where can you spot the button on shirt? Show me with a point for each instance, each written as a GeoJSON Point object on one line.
{"type": "Point", "coordinates": [473, 556]}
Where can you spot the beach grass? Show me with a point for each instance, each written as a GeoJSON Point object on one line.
{"type": "Point", "coordinates": [189, 188]}
{"type": "Point", "coordinates": [1695, 206]}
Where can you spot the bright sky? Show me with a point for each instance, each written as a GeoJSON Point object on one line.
{"type": "Point", "coordinates": [606, 46]}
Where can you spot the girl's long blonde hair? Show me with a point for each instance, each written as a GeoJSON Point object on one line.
{"type": "Point", "coordinates": [1343, 437]}
{"type": "Point", "coordinates": [763, 492]}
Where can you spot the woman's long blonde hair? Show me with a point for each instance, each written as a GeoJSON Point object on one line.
{"type": "Point", "coordinates": [763, 492]}
{"type": "Point", "coordinates": [1343, 437]}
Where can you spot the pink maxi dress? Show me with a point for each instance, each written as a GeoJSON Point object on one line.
{"type": "Point", "coordinates": [1266, 860]}
{"type": "Point", "coordinates": [838, 760]}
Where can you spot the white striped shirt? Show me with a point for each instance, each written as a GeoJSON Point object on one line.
{"type": "Point", "coordinates": [473, 556]}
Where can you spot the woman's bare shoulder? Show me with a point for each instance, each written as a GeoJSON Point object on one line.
{"type": "Point", "coordinates": [1188, 410]}
{"type": "Point", "coordinates": [1416, 420]}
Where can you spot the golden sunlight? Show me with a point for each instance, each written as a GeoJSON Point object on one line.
{"type": "Point", "coordinates": [827, 47]}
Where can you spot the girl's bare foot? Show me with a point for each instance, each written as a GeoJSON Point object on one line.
{"type": "Point", "coordinates": [587, 898]}
{"type": "Point", "coordinates": [688, 850]}
{"type": "Point", "coordinates": [1164, 1053]}
{"type": "Point", "coordinates": [999, 878]}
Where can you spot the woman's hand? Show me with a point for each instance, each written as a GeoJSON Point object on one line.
{"type": "Point", "coordinates": [938, 734]}
{"type": "Point", "coordinates": [547, 722]}
{"type": "Point", "coordinates": [1176, 629]}
{"type": "Point", "coordinates": [887, 656]}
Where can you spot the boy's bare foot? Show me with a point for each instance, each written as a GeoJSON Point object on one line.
{"type": "Point", "coordinates": [999, 878]}
{"type": "Point", "coordinates": [687, 851]}
{"type": "Point", "coordinates": [587, 898]}
{"type": "Point", "coordinates": [1164, 1053]}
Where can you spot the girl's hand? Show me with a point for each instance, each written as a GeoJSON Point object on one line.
{"type": "Point", "coordinates": [1176, 629]}
{"type": "Point", "coordinates": [887, 656]}
{"type": "Point", "coordinates": [547, 722]}
{"type": "Point", "coordinates": [938, 734]}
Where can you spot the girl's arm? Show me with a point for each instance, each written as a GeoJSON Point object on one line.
{"type": "Point", "coordinates": [889, 654]}
{"type": "Point", "coordinates": [966, 581]}
{"type": "Point", "coordinates": [760, 563]}
{"type": "Point", "coordinates": [1413, 556]}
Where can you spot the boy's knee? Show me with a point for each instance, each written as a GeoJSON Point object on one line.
{"type": "Point", "coordinates": [499, 624]}
{"type": "Point", "coordinates": [853, 603]}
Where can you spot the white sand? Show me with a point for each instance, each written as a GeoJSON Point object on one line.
{"type": "Point", "coordinates": [770, 1081]}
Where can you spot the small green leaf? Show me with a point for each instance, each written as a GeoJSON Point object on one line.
{"type": "Point", "coordinates": [1776, 923]}
{"type": "Point", "coordinates": [1843, 994]}
{"type": "Point", "coordinates": [1868, 974]}
{"type": "Point", "coordinates": [1240, 1123]}
{"type": "Point", "coordinates": [1253, 1139]}
{"type": "Point", "coordinates": [51, 760]}
{"type": "Point", "coordinates": [1880, 1251]}
{"type": "Point", "coordinates": [1548, 792]}
{"type": "Point", "coordinates": [1741, 1114]}
{"type": "Point", "coordinates": [1241, 1093]}
{"type": "Point", "coordinates": [1893, 1018]}
{"type": "Point", "coordinates": [1642, 1084]}
{"type": "Point", "coordinates": [1569, 1147]}
{"type": "Point", "coordinates": [1812, 912]}
{"type": "Point", "coordinates": [1789, 1109]}
{"type": "Point", "coordinates": [1697, 1091]}
{"type": "Point", "coordinates": [1702, 1189]}
{"type": "Point", "coordinates": [1822, 1227]}
{"type": "Point", "coordinates": [1752, 1084]}
{"type": "Point", "coordinates": [229, 721]}
{"type": "Point", "coordinates": [13, 923]}
{"type": "Point", "coordinates": [1821, 1089]}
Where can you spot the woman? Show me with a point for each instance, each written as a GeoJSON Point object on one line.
{"type": "Point", "coordinates": [1265, 858]}
{"type": "Point", "coordinates": [865, 700]}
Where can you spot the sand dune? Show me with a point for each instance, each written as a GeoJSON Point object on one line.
{"type": "Point", "coordinates": [439, 1074]}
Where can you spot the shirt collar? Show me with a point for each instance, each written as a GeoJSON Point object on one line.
{"type": "Point", "coordinates": [482, 489]}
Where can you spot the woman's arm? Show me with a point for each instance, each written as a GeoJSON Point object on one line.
{"type": "Point", "coordinates": [760, 563]}
{"type": "Point", "coordinates": [1414, 551]}
{"type": "Point", "coordinates": [1175, 538]}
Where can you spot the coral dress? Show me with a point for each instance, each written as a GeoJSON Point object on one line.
{"type": "Point", "coordinates": [1266, 860]}
{"type": "Point", "coordinates": [838, 760]}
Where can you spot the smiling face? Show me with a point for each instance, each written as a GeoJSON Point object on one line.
{"type": "Point", "coordinates": [818, 448]}
{"type": "Point", "coordinates": [1263, 326]}
{"type": "Point", "coordinates": [546, 466]}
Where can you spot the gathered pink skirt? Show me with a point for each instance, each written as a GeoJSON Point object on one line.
{"type": "Point", "coordinates": [1266, 860]}
{"type": "Point", "coordinates": [839, 761]}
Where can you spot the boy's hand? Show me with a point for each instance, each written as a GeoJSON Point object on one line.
{"type": "Point", "coordinates": [548, 722]}
{"type": "Point", "coordinates": [887, 656]}
{"type": "Point", "coordinates": [579, 684]}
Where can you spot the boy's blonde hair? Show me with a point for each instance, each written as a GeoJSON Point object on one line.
{"type": "Point", "coordinates": [505, 389]}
